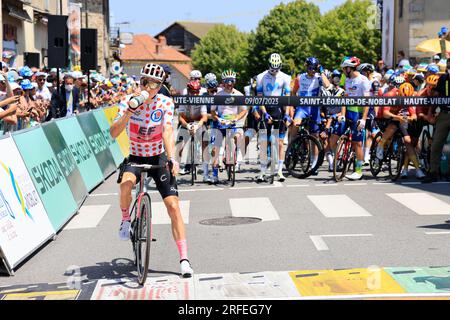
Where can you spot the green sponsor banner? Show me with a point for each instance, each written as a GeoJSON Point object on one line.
{"type": "Point", "coordinates": [81, 152]}
{"type": "Point", "coordinates": [66, 161]}
{"type": "Point", "coordinates": [113, 145]}
{"type": "Point", "coordinates": [97, 142]}
{"type": "Point", "coordinates": [47, 175]}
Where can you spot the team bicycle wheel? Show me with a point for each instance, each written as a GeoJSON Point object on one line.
{"type": "Point", "coordinates": [396, 158]}
{"type": "Point", "coordinates": [142, 236]}
{"type": "Point", "coordinates": [343, 158]}
{"type": "Point", "coordinates": [298, 159]}
{"type": "Point", "coordinates": [425, 151]}
{"type": "Point", "coordinates": [375, 164]}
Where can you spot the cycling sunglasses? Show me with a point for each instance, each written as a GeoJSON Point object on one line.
{"type": "Point", "coordinates": [229, 81]}
{"type": "Point", "coordinates": [150, 84]}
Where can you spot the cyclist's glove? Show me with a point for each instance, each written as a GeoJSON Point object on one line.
{"type": "Point", "coordinates": [341, 119]}
{"type": "Point", "coordinates": [361, 124]}
{"type": "Point", "coordinates": [287, 118]}
{"type": "Point", "coordinates": [267, 117]}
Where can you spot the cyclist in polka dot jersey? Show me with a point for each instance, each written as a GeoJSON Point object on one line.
{"type": "Point", "coordinates": [150, 129]}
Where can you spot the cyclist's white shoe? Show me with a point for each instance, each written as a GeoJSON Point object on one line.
{"type": "Point", "coordinates": [281, 177]}
{"type": "Point", "coordinates": [404, 174]}
{"type": "Point", "coordinates": [354, 176]}
{"type": "Point", "coordinates": [207, 179]}
{"type": "Point", "coordinates": [124, 232]}
{"type": "Point", "coordinates": [261, 178]}
{"type": "Point", "coordinates": [186, 269]}
{"type": "Point", "coordinates": [215, 180]}
{"type": "Point", "coordinates": [420, 174]}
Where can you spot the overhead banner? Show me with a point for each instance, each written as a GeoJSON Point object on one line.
{"type": "Point", "coordinates": [81, 151]}
{"type": "Point", "coordinates": [66, 161]}
{"type": "Point", "coordinates": [97, 142]}
{"type": "Point", "coordinates": [312, 101]}
{"type": "Point", "coordinates": [47, 175]}
{"type": "Point", "coordinates": [113, 145]}
{"type": "Point", "coordinates": [24, 224]}
{"type": "Point", "coordinates": [122, 139]}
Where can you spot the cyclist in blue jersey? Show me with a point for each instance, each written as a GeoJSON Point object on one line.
{"type": "Point", "coordinates": [308, 84]}
{"type": "Point", "coordinates": [272, 82]}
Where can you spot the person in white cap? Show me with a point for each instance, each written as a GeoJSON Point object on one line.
{"type": "Point", "coordinates": [42, 91]}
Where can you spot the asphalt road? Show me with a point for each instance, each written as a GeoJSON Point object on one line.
{"type": "Point", "coordinates": [312, 224]}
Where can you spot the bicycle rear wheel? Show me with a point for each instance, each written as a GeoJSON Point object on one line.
{"type": "Point", "coordinates": [397, 151]}
{"type": "Point", "coordinates": [143, 236]}
{"type": "Point", "coordinates": [425, 151]}
{"type": "Point", "coordinates": [342, 158]}
{"type": "Point", "coordinates": [299, 155]}
{"type": "Point", "coordinates": [375, 164]}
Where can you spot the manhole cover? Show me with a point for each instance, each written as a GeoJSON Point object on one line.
{"type": "Point", "coordinates": [229, 221]}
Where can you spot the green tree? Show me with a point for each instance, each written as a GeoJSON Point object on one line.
{"type": "Point", "coordinates": [286, 30]}
{"type": "Point", "coordinates": [223, 47]}
{"type": "Point", "coordinates": [347, 30]}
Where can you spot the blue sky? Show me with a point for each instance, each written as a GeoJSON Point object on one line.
{"type": "Point", "coordinates": [155, 15]}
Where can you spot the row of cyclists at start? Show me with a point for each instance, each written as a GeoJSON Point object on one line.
{"type": "Point", "coordinates": [326, 124]}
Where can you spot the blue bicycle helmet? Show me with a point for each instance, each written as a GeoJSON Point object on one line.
{"type": "Point", "coordinates": [25, 72]}
{"type": "Point", "coordinates": [336, 73]}
{"type": "Point", "coordinates": [312, 61]}
{"type": "Point", "coordinates": [212, 84]}
{"type": "Point", "coordinates": [433, 68]}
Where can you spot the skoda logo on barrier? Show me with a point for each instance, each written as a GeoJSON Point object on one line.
{"type": "Point", "coordinates": [157, 115]}
{"type": "Point", "coordinates": [229, 100]}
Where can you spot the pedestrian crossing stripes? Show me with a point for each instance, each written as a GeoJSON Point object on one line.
{"type": "Point", "coordinates": [261, 208]}
{"type": "Point", "coordinates": [160, 215]}
{"type": "Point", "coordinates": [338, 206]}
{"type": "Point", "coordinates": [422, 203]}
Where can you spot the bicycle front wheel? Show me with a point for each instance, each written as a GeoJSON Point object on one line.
{"type": "Point", "coordinates": [375, 164]}
{"type": "Point", "coordinates": [397, 152]}
{"type": "Point", "coordinates": [143, 237]}
{"type": "Point", "coordinates": [299, 156]}
{"type": "Point", "coordinates": [342, 158]}
{"type": "Point", "coordinates": [193, 167]}
{"type": "Point", "coordinates": [425, 151]}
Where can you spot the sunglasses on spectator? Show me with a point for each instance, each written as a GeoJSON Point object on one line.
{"type": "Point", "coordinates": [41, 79]}
{"type": "Point", "coordinates": [152, 85]}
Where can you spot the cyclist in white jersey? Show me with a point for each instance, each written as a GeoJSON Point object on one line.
{"type": "Point", "coordinates": [195, 75]}
{"type": "Point", "coordinates": [150, 128]}
{"type": "Point", "coordinates": [272, 82]}
{"type": "Point", "coordinates": [228, 121]}
{"type": "Point", "coordinates": [192, 123]}
{"type": "Point", "coordinates": [356, 85]}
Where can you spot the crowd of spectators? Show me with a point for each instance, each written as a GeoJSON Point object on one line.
{"type": "Point", "coordinates": [29, 96]}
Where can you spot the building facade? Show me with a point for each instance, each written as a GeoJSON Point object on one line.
{"type": "Point", "coordinates": [406, 23]}
{"type": "Point", "coordinates": [183, 36]}
{"type": "Point", "coordinates": [23, 27]}
{"type": "Point", "coordinates": [146, 49]}
{"type": "Point", "coordinates": [95, 15]}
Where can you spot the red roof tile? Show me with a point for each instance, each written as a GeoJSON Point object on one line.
{"type": "Point", "coordinates": [144, 48]}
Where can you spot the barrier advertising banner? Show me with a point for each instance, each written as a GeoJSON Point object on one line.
{"type": "Point", "coordinates": [47, 175]}
{"type": "Point", "coordinates": [122, 140]}
{"type": "Point", "coordinates": [81, 151]}
{"type": "Point", "coordinates": [97, 142]}
{"type": "Point", "coordinates": [24, 224]}
{"type": "Point", "coordinates": [113, 145]}
{"type": "Point", "coordinates": [66, 161]}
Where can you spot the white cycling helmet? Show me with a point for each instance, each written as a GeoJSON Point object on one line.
{"type": "Point", "coordinates": [228, 74]}
{"type": "Point", "coordinates": [210, 77]}
{"type": "Point", "coordinates": [195, 74]}
{"type": "Point", "coordinates": [153, 71]}
{"type": "Point", "coordinates": [275, 61]}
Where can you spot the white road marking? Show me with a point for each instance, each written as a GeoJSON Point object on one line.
{"type": "Point", "coordinates": [260, 208]}
{"type": "Point", "coordinates": [437, 232]}
{"type": "Point", "coordinates": [355, 184]}
{"type": "Point", "coordinates": [298, 186]}
{"type": "Point", "coordinates": [160, 215]}
{"type": "Point", "coordinates": [338, 206]}
{"type": "Point", "coordinates": [422, 203]}
{"type": "Point", "coordinates": [88, 217]}
{"type": "Point", "coordinates": [320, 244]}
{"type": "Point", "coordinates": [104, 195]}
{"type": "Point", "coordinates": [326, 185]}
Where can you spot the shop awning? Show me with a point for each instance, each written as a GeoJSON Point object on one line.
{"type": "Point", "coordinates": [18, 13]}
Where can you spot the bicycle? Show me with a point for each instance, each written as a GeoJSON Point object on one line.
{"type": "Point", "coordinates": [193, 151]}
{"type": "Point", "coordinates": [300, 151]}
{"type": "Point", "coordinates": [230, 160]}
{"type": "Point", "coordinates": [141, 230]}
{"type": "Point", "coordinates": [425, 149]}
{"type": "Point", "coordinates": [394, 157]}
{"type": "Point", "coordinates": [345, 155]}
